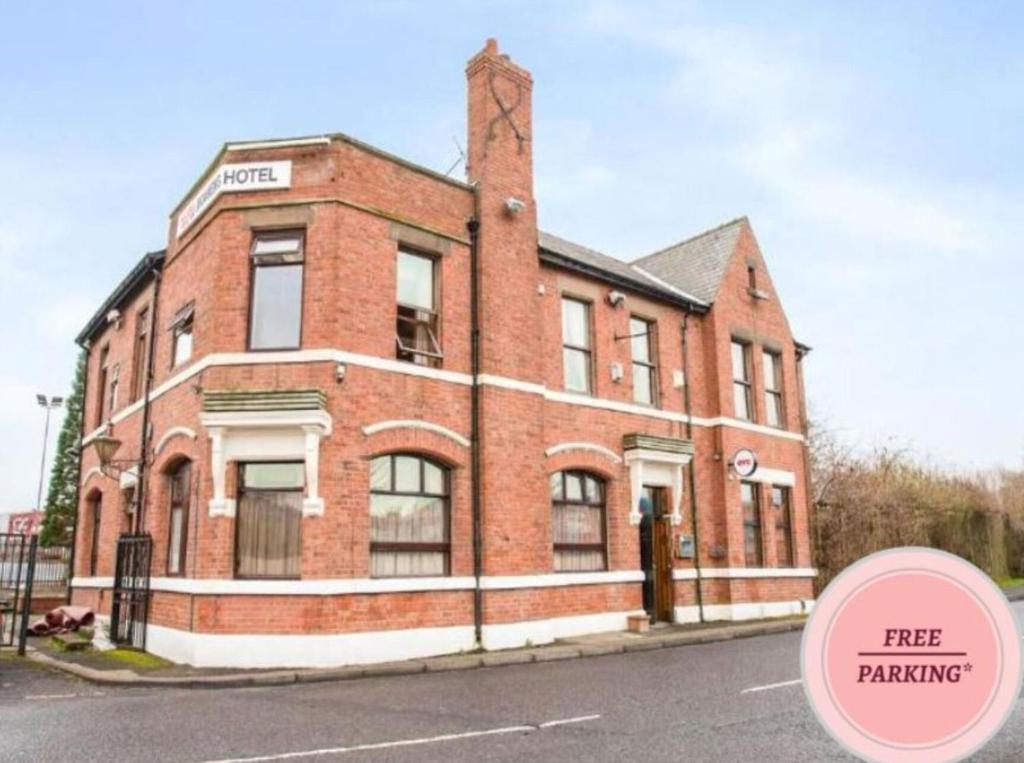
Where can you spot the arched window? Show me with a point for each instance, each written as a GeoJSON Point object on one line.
{"type": "Point", "coordinates": [95, 509]}
{"type": "Point", "coordinates": [578, 522]}
{"type": "Point", "coordinates": [179, 486]}
{"type": "Point", "coordinates": [409, 516]}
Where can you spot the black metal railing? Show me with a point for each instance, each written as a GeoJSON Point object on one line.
{"type": "Point", "coordinates": [129, 612]}
{"type": "Point", "coordinates": [17, 571]}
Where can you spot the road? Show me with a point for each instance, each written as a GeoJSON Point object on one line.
{"type": "Point", "coordinates": [730, 701]}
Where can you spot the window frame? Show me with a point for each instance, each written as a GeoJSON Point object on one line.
{"type": "Point", "coordinates": [241, 490]}
{"type": "Point", "coordinates": [399, 547]}
{"type": "Point", "coordinates": [95, 502]}
{"type": "Point", "coordinates": [274, 234]}
{"type": "Point", "coordinates": [434, 359]}
{"type": "Point", "coordinates": [783, 527]}
{"type": "Point", "coordinates": [757, 524]}
{"type": "Point", "coordinates": [185, 507]}
{"type": "Point", "coordinates": [651, 364]}
{"type": "Point", "coordinates": [103, 372]}
{"type": "Point", "coordinates": [185, 317]}
{"type": "Point", "coordinates": [588, 350]}
{"type": "Point", "coordinates": [747, 382]}
{"type": "Point", "coordinates": [774, 396]}
{"type": "Point", "coordinates": [564, 501]}
{"type": "Point", "coordinates": [141, 343]}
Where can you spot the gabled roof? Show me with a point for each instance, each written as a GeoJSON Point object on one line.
{"type": "Point", "coordinates": [125, 290]}
{"type": "Point", "coordinates": [696, 265]}
{"type": "Point", "coordinates": [560, 252]}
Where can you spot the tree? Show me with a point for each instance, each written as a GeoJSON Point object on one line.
{"type": "Point", "coordinates": [62, 496]}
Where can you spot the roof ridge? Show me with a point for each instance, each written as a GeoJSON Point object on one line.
{"type": "Point", "coordinates": [708, 232]}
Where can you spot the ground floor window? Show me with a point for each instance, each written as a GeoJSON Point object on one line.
{"type": "Point", "coordinates": [95, 503]}
{"type": "Point", "coordinates": [268, 541]}
{"type": "Point", "coordinates": [179, 486]}
{"type": "Point", "coordinates": [781, 507]}
{"type": "Point", "coordinates": [409, 516]}
{"type": "Point", "coordinates": [750, 495]}
{"type": "Point", "coordinates": [577, 521]}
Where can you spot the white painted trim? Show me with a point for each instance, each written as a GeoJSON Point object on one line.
{"type": "Point", "coordinates": [744, 610]}
{"type": "Point", "coordinates": [268, 420]}
{"type": "Point", "coordinates": [559, 579]}
{"type": "Point", "coordinates": [277, 143]}
{"type": "Point", "coordinates": [732, 573]}
{"type": "Point", "coordinates": [307, 650]}
{"type": "Point", "coordinates": [350, 586]}
{"type": "Point", "coordinates": [773, 476]}
{"type": "Point", "coordinates": [411, 369]}
{"type": "Point", "coordinates": [667, 285]}
{"type": "Point", "coordinates": [564, 447]}
{"type": "Point", "coordinates": [428, 426]}
{"type": "Point", "coordinates": [91, 472]}
{"type": "Point", "coordinates": [174, 432]}
{"type": "Point", "coordinates": [535, 632]}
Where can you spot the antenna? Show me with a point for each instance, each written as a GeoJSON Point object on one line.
{"type": "Point", "coordinates": [460, 160]}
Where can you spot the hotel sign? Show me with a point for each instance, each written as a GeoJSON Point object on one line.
{"type": "Point", "coordinates": [234, 178]}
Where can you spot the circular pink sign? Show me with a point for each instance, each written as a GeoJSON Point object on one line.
{"type": "Point", "coordinates": [912, 654]}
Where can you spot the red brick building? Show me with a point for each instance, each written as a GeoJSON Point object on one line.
{"type": "Point", "coordinates": [380, 415]}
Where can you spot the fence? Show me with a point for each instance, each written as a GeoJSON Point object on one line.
{"type": "Point", "coordinates": [28, 572]}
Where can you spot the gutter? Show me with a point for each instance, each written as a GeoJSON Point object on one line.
{"type": "Point", "coordinates": [475, 460]}
{"type": "Point", "coordinates": [693, 471]}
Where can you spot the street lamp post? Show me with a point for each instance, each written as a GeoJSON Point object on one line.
{"type": "Point", "coordinates": [48, 403]}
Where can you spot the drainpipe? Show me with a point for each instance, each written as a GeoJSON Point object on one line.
{"type": "Point", "coordinates": [692, 469]}
{"type": "Point", "coordinates": [140, 480]}
{"type": "Point", "coordinates": [475, 461]}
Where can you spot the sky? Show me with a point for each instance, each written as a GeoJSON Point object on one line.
{"type": "Point", "coordinates": [874, 146]}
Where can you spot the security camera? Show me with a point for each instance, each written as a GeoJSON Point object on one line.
{"type": "Point", "coordinates": [514, 206]}
{"type": "Point", "coordinates": [616, 298]}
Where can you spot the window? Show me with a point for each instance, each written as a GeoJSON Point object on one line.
{"type": "Point", "coordinates": [101, 385]}
{"type": "Point", "coordinates": [178, 532]}
{"type": "Point", "coordinates": [742, 400]}
{"type": "Point", "coordinates": [417, 333]}
{"type": "Point", "coordinates": [140, 358]}
{"type": "Point", "coordinates": [645, 377]}
{"type": "Point", "coordinates": [783, 518]}
{"type": "Point", "coordinates": [775, 412]}
{"type": "Point", "coordinates": [751, 279]}
{"type": "Point", "coordinates": [115, 385]}
{"type": "Point", "coordinates": [275, 312]}
{"type": "Point", "coordinates": [268, 542]}
{"type": "Point", "coordinates": [181, 334]}
{"type": "Point", "coordinates": [751, 499]}
{"type": "Point", "coordinates": [576, 355]}
{"type": "Point", "coordinates": [409, 510]}
{"type": "Point", "coordinates": [95, 505]}
{"type": "Point", "coordinates": [577, 521]}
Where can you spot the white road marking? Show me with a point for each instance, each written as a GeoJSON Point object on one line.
{"type": "Point", "coordinates": [411, 742]}
{"type": "Point", "coordinates": [50, 696]}
{"type": "Point", "coordinates": [753, 689]}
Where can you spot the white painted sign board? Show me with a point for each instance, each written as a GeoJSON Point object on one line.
{"type": "Point", "coordinates": [234, 178]}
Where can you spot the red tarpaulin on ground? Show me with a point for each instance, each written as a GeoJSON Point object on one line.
{"type": "Point", "coordinates": [62, 620]}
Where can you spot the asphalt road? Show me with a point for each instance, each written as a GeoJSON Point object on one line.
{"type": "Point", "coordinates": [699, 703]}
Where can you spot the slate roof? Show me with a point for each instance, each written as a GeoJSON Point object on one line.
{"type": "Point", "coordinates": [697, 264]}
{"type": "Point", "coordinates": [560, 252]}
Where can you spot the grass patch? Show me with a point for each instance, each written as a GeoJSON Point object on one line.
{"type": "Point", "coordinates": [136, 658]}
{"type": "Point", "coordinates": [1009, 582]}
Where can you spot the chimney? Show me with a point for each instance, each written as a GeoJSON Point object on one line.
{"type": "Point", "coordinates": [500, 165]}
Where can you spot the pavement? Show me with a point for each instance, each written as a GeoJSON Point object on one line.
{"type": "Point", "coordinates": [101, 668]}
{"type": "Point", "coordinates": [738, 699]}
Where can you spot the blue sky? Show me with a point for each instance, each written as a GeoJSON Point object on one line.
{"type": "Point", "coordinates": [875, 147]}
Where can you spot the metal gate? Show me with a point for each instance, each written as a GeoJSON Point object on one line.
{"type": "Point", "coordinates": [17, 571]}
{"type": "Point", "coordinates": [129, 611]}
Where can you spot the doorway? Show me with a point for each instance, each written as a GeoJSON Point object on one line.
{"type": "Point", "coordinates": [656, 553]}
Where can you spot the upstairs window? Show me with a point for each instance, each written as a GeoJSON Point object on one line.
{"type": "Point", "coordinates": [409, 516]}
{"type": "Point", "coordinates": [741, 389]}
{"type": "Point", "coordinates": [578, 521]}
{"type": "Point", "coordinates": [101, 385]}
{"type": "Point", "coordinates": [576, 355]}
{"type": "Point", "coordinates": [645, 377]}
{"type": "Point", "coordinates": [140, 355]}
{"type": "Point", "coordinates": [753, 551]}
{"type": "Point", "coordinates": [781, 508]}
{"type": "Point", "coordinates": [275, 312]}
{"type": "Point", "coordinates": [417, 332]}
{"type": "Point", "coordinates": [775, 412]}
{"type": "Point", "coordinates": [115, 385]}
{"type": "Point", "coordinates": [181, 334]}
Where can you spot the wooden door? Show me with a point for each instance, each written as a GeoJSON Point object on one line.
{"type": "Point", "coordinates": [663, 589]}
